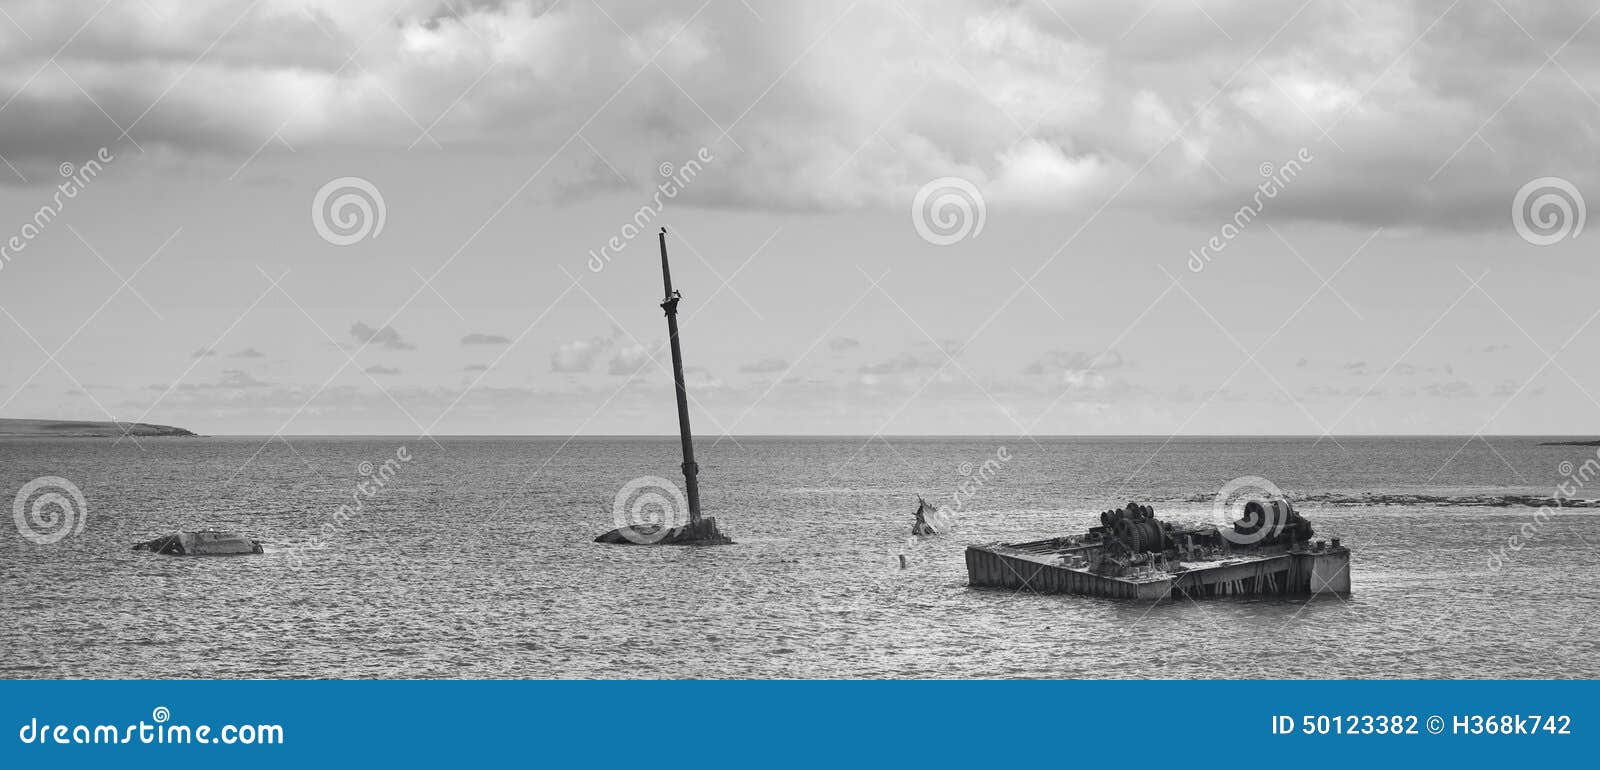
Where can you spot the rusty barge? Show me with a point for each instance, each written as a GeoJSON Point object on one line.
{"type": "Point", "coordinates": [1269, 551]}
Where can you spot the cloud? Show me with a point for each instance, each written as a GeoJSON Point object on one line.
{"type": "Point", "coordinates": [381, 369]}
{"type": "Point", "coordinates": [230, 379]}
{"type": "Point", "coordinates": [765, 366]}
{"type": "Point", "coordinates": [699, 378]}
{"type": "Point", "coordinates": [248, 353]}
{"type": "Point", "coordinates": [475, 368]}
{"type": "Point", "coordinates": [1079, 370]}
{"type": "Point", "coordinates": [841, 344]}
{"type": "Point", "coordinates": [578, 355]}
{"type": "Point", "coordinates": [903, 363]}
{"type": "Point", "coordinates": [628, 359]}
{"type": "Point", "coordinates": [238, 378]}
{"type": "Point", "coordinates": [1451, 389]}
{"type": "Point", "coordinates": [476, 338]}
{"type": "Point", "coordinates": [875, 109]}
{"type": "Point", "coordinates": [1059, 361]}
{"type": "Point", "coordinates": [386, 337]}
{"type": "Point", "coordinates": [203, 353]}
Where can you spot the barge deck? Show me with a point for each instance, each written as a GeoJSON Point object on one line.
{"type": "Point", "coordinates": [1132, 555]}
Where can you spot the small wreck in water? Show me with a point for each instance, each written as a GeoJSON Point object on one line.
{"type": "Point", "coordinates": [206, 542]}
{"type": "Point", "coordinates": [1134, 555]}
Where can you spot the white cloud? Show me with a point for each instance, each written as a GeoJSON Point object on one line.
{"type": "Point", "coordinates": [578, 355]}
{"type": "Point", "coordinates": [628, 359]}
{"type": "Point", "coordinates": [1039, 110]}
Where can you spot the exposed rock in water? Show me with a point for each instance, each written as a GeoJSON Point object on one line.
{"type": "Point", "coordinates": [85, 429]}
{"type": "Point", "coordinates": [202, 543]}
{"type": "Point", "coordinates": [704, 533]}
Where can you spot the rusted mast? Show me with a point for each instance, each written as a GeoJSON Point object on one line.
{"type": "Point", "coordinates": [691, 471]}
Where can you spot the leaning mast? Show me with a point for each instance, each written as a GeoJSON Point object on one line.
{"type": "Point", "coordinates": [691, 471]}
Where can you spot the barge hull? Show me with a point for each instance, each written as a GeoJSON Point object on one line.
{"type": "Point", "coordinates": [1291, 573]}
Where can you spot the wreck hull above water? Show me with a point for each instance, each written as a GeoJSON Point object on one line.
{"type": "Point", "coordinates": [1022, 567]}
{"type": "Point", "coordinates": [1134, 555]}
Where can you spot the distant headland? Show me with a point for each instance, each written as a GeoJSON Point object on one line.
{"type": "Point", "coordinates": [1572, 443]}
{"type": "Point", "coordinates": [10, 428]}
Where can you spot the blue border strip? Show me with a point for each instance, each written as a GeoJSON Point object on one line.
{"type": "Point", "coordinates": [811, 724]}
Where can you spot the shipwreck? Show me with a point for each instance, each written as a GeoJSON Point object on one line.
{"type": "Point", "coordinates": [698, 530]}
{"type": "Point", "coordinates": [1269, 551]}
{"type": "Point", "coordinates": [206, 542]}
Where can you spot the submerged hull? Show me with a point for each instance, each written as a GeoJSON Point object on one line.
{"type": "Point", "coordinates": [703, 533]}
{"type": "Point", "coordinates": [204, 543]}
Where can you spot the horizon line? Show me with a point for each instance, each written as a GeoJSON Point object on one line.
{"type": "Point", "coordinates": [1157, 436]}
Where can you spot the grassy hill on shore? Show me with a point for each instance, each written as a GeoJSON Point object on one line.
{"type": "Point", "coordinates": [84, 429]}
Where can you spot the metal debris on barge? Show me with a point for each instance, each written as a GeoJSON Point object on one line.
{"type": "Point", "coordinates": [1134, 555]}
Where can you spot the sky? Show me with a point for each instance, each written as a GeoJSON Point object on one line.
{"type": "Point", "coordinates": [999, 218]}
